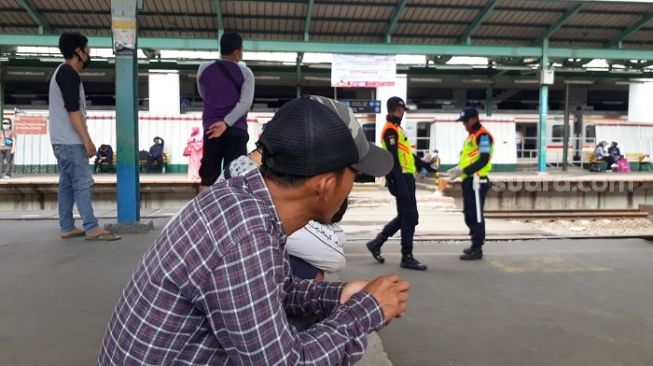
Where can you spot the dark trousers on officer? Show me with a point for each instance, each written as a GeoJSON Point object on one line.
{"type": "Point", "coordinates": [407, 218]}
{"type": "Point", "coordinates": [476, 229]}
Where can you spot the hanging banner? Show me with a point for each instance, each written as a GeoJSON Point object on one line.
{"type": "Point", "coordinates": [30, 125]}
{"type": "Point", "coordinates": [363, 71]}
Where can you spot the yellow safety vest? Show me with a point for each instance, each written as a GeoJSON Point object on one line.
{"type": "Point", "coordinates": [471, 153]}
{"type": "Point", "coordinates": [404, 148]}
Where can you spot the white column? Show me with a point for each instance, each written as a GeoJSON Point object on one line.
{"type": "Point", "coordinates": [383, 94]}
{"type": "Point", "coordinates": [164, 92]}
{"type": "Point", "coordinates": [640, 96]}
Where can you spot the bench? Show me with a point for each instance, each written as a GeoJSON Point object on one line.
{"type": "Point", "coordinates": [166, 158]}
{"type": "Point", "coordinates": [595, 165]}
{"type": "Point", "coordinates": [142, 164]}
{"type": "Point", "coordinates": [643, 161]}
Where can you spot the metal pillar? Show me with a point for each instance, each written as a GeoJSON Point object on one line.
{"type": "Point", "coordinates": [300, 56]}
{"type": "Point", "coordinates": [544, 106]}
{"type": "Point", "coordinates": [488, 101]}
{"type": "Point", "coordinates": [565, 135]}
{"type": "Point", "coordinates": [125, 46]}
{"type": "Point", "coordinates": [128, 190]}
{"type": "Point", "coordinates": [2, 95]}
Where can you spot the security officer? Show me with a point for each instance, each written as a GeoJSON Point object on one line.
{"type": "Point", "coordinates": [475, 160]}
{"type": "Point", "coordinates": [401, 184]}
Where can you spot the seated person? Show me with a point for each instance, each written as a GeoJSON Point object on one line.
{"type": "Point", "coordinates": [601, 154]}
{"type": "Point", "coordinates": [155, 153]}
{"type": "Point", "coordinates": [314, 249]}
{"type": "Point", "coordinates": [430, 163]}
{"type": "Point", "coordinates": [614, 151]}
{"type": "Point", "coordinates": [104, 155]}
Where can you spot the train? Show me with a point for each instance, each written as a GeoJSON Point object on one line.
{"type": "Point", "coordinates": [515, 134]}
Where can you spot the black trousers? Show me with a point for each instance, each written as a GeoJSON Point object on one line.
{"type": "Point", "coordinates": [154, 159]}
{"type": "Point", "coordinates": [476, 229]}
{"type": "Point", "coordinates": [407, 218]}
{"type": "Point", "coordinates": [220, 152]}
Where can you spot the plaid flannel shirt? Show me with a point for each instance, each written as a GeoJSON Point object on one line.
{"type": "Point", "coordinates": [215, 287]}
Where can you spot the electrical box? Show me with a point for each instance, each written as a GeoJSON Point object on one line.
{"type": "Point", "coordinates": [546, 76]}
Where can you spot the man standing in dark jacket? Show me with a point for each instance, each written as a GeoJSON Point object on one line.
{"type": "Point", "coordinates": [401, 184]}
{"type": "Point", "coordinates": [227, 88]}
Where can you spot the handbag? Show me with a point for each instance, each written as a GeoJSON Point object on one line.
{"type": "Point", "coordinates": [7, 141]}
{"type": "Point", "coordinates": [186, 151]}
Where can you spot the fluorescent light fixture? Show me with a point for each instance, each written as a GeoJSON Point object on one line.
{"type": "Point", "coordinates": [4, 59]}
{"type": "Point", "coordinates": [26, 73]}
{"type": "Point", "coordinates": [267, 77]}
{"type": "Point", "coordinates": [579, 82]}
{"type": "Point", "coordinates": [50, 59]}
{"type": "Point", "coordinates": [425, 80]}
{"type": "Point", "coordinates": [453, 67]}
{"type": "Point", "coordinates": [91, 74]}
{"type": "Point", "coordinates": [189, 62]}
{"type": "Point", "coordinates": [317, 78]}
{"type": "Point", "coordinates": [523, 68]}
{"type": "Point", "coordinates": [477, 81]}
{"type": "Point", "coordinates": [526, 81]}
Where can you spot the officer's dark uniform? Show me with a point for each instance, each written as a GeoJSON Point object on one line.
{"type": "Point", "coordinates": [401, 184]}
{"type": "Point", "coordinates": [475, 159]}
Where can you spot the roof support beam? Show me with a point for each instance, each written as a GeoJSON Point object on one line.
{"type": "Point", "coordinates": [218, 18]}
{"type": "Point", "coordinates": [644, 20]}
{"type": "Point", "coordinates": [307, 23]}
{"type": "Point", "coordinates": [558, 24]}
{"type": "Point", "coordinates": [355, 48]}
{"type": "Point", "coordinates": [394, 22]}
{"type": "Point", "coordinates": [480, 18]}
{"type": "Point", "coordinates": [44, 27]}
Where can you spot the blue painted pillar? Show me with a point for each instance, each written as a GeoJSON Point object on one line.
{"type": "Point", "coordinates": [128, 190]}
{"type": "Point", "coordinates": [544, 106]}
{"type": "Point", "coordinates": [123, 14]}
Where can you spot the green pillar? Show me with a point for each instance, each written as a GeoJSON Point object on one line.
{"type": "Point", "coordinates": [2, 94]}
{"type": "Point", "coordinates": [127, 166]}
{"type": "Point", "coordinates": [544, 104]}
{"type": "Point", "coordinates": [488, 101]}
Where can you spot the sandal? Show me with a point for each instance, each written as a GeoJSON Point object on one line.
{"type": "Point", "coordinates": [108, 236]}
{"type": "Point", "coordinates": [75, 233]}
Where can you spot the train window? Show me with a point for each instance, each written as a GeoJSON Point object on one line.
{"type": "Point", "coordinates": [590, 134]}
{"type": "Point", "coordinates": [423, 129]}
{"type": "Point", "coordinates": [557, 133]}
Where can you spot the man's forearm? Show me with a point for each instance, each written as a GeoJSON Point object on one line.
{"type": "Point", "coordinates": [80, 126]}
{"type": "Point", "coordinates": [312, 297]}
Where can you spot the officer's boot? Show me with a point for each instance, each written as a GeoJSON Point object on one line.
{"type": "Point", "coordinates": [374, 247]}
{"type": "Point", "coordinates": [472, 254]}
{"type": "Point", "coordinates": [409, 262]}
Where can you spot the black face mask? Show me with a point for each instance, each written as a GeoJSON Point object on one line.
{"type": "Point", "coordinates": [84, 63]}
{"type": "Point", "coordinates": [341, 212]}
{"type": "Point", "coordinates": [393, 119]}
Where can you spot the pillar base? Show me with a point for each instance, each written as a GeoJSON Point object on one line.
{"type": "Point", "coordinates": [130, 227]}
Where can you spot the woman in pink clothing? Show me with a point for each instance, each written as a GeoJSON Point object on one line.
{"type": "Point", "coordinates": [194, 151]}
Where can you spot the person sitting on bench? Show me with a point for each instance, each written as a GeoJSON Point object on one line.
{"type": "Point", "coordinates": [104, 155]}
{"type": "Point", "coordinates": [601, 154]}
{"type": "Point", "coordinates": [156, 153]}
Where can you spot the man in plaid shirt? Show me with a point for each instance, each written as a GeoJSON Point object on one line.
{"type": "Point", "coordinates": [215, 286]}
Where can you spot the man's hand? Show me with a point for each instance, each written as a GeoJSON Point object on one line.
{"type": "Point", "coordinates": [351, 288]}
{"type": "Point", "coordinates": [216, 130]}
{"type": "Point", "coordinates": [454, 172]}
{"type": "Point", "coordinates": [90, 148]}
{"type": "Point", "coordinates": [391, 293]}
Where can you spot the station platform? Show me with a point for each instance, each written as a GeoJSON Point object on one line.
{"type": "Point", "coordinates": [576, 189]}
{"type": "Point", "coordinates": [551, 302]}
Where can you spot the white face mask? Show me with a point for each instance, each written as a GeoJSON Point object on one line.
{"type": "Point", "coordinates": [6, 127]}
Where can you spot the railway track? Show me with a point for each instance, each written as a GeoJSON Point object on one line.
{"type": "Point", "coordinates": [565, 214]}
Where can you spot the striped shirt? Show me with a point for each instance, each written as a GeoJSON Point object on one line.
{"type": "Point", "coordinates": [215, 287]}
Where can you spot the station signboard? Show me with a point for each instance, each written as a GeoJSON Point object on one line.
{"type": "Point", "coordinates": [363, 106]}
{"type": "Point", "coordinates": [363, 71]}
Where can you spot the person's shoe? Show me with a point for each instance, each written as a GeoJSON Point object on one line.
{"type": "Point", "coordinates": [409, 262]}
{"type": "Point", "coordinates": [374, 247]}
{"type": "Point", "coordinates": [471, 255]}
